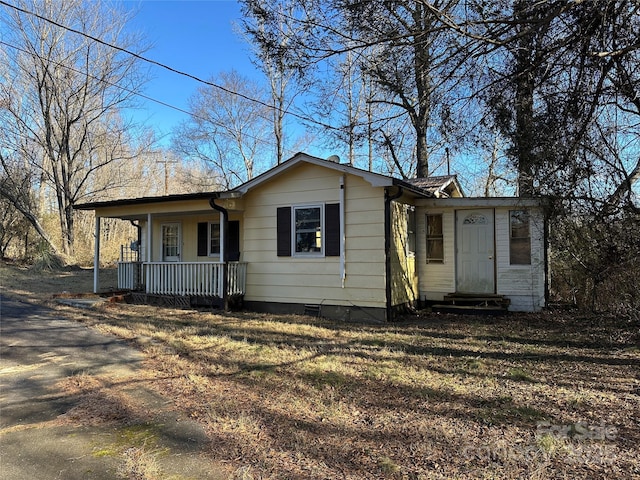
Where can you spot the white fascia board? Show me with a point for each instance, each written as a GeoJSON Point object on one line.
{"type": "Point", "coordinates": [375, 179]}
{"type": "Point", "coordinates": [479, 202]}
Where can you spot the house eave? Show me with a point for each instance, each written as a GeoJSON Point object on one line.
{"type": "Point", "coordinates": [128, 202]}
{"type": "Point", "coordinates": [374, 179]}
{"type": "Point", "coordinates": [481, 202]}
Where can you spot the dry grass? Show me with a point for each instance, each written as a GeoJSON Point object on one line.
{"type": "Point", "coordinates": [524, 396]}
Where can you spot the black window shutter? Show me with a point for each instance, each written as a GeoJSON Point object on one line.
{"type": "Point", "coordinates": [284, 231]}
{"type": "Point", "coordinates": [332, 229]}
{"type": "Point", "coordinates": [203, 239]}
{"type": "Point", "coordinates": [234, 240]}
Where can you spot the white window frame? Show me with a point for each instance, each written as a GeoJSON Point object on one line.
{"type": "Point", "coordinates": [516, 240]}
{"type": "Point", "coordinates": [434, 260]}
{"type": "Point", "coordinates": [209, 237]}
{"type": "Point", "coordinates": [294, 232]}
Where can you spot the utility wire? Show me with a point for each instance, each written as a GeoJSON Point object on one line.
{"type": "Point", "coordinates": [171, 69]}
{"type": "Point", "coordinates": [132, 92]}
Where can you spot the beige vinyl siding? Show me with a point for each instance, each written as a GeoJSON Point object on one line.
{"type": "Point", "coordinates": [523, 284]}
{"type": "Point", "coordinates": [189, 235]}
{"type": "Point", "coordinates": [315, 279]}
{"type": "Point", "coordinates": [436, 279]}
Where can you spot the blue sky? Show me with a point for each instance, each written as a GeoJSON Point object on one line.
{"type": "Point", "coordinates": [196, 37]}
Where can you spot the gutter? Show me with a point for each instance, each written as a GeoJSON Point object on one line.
{"type": "Point", "coordinates": [225, 250]}
{"type": "Point", "coordinates": [387, 247]}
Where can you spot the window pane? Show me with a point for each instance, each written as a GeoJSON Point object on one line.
{"type": "Point", "coordinates": [434, 225]}
{"type": "Point", "coordinates": [520, 240]}
{"type": "Point", "coordinates": [308, 233]}
{"type": "Point", "coordinates": [214, 245]}
{"type": "Point", "coordinates": [520, 251]}
{"type": "Point", "coordinates": [435, 251]}
{"type": "Point", "coordinates": [435, 239]}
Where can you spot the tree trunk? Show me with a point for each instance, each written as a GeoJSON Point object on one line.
{"type": "Point", "coordinates": [422, 65]}
{"type": "Point", "coordinates": [525, 128]}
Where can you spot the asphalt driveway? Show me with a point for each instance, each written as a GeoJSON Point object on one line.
{"type": "Point", "coordinates": [38, 348]}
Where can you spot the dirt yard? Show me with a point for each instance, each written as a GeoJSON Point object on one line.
{"type": "Point", "coordinates": [551, 395]}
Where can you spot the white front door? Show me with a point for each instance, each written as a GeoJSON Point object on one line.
{"type": "Point", "coordinates": [171, 242]}
{"type": "Point", "coordinates": [475, 267]}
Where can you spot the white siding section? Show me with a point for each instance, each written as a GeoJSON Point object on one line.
{"type": "Point", "coordinates": [523, 284]}
{"type": "Point", "coordinates": [436, 279]}
{"type": "Point", "coordinates": [315, 280]}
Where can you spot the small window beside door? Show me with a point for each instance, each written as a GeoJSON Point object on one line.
{"type": "Point", "coordinates": [519, 237]}
{"type": "Point", "coordinates": [214, 239]}
{"type": "Point", "coordinates": [210, 240]}
{"type": "Point", "coordinates": [435, 238]}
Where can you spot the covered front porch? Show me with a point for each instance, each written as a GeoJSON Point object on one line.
{"type": "Point", "coordinates": [185, 247]}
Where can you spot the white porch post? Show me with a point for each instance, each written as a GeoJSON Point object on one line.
{"type": "Point", "coordinates": [149, 237]}
{"type": "Point", "coordinates": [148, 275]}
{"type": "Point", "coordinates": [96, 258]}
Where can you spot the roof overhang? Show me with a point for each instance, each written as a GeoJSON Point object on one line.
{"type": "Point", "coordinates": [374, 179]}
{"type": "Point", "coordinates": [134, 208]}
{"type": "Point", "coordinates": [127, 202]}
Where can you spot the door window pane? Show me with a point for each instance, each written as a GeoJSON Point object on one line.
{"type": "Point", "coordinates": [170, 240]}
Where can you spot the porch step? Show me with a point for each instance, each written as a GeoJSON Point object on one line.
{"type": "Point", "coordinates": [468, 309]}
{"type": "Point", "coordinates": [477, 304]}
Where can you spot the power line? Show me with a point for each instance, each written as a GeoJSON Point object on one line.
{"type": "Point", "coordinates": [115, 85]}
{"type": "Point", "coordinates": [146, 97]}
{"type": "Point", "coordinates": [167, 67]}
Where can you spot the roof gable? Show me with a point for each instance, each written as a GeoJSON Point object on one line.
{"type": "Point", "coordinates": [375, 179]}
{"type": "Point", "coordinates": [444, 186]}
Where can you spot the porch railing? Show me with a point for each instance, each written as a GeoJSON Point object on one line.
{"type": "Point", "coordinates": [182, 278]}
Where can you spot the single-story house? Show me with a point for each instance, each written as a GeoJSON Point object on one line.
{"type": "Point", "coordinates": [315, 235]}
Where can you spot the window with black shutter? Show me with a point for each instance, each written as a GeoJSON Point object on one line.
{"type": "Point", "coordinates": [309, 230]}
{"type": "Point", "coordinates": [209, 239]}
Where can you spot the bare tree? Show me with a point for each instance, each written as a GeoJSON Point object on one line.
{"type": "Point", "coordinates": [65, 121]}
{"type": "Point", "coordinates": [228, 130]}
{"type": "Point", "coordinates": [271, 39]}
